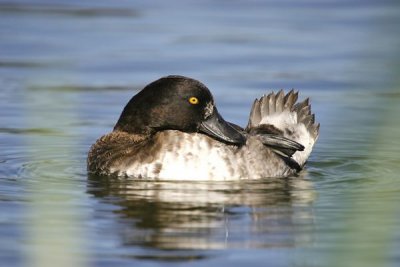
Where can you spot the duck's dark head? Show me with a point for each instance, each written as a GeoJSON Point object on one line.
{"type": "Point", "coordinates": [176, 103]}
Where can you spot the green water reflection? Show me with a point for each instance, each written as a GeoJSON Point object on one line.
{"type": "Point", "coordinates": [53, 223]}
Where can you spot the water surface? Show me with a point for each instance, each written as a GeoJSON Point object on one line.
{"type": "Point", "coordinates": [67, 68]}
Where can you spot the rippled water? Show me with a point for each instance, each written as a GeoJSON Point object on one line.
{"type": "Point", "coordinates": [67, 68]}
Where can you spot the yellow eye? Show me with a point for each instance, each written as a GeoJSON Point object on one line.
{"type": "Point", "coordinates": [193, 100]}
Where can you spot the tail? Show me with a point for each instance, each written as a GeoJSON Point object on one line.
{"type": "Point", "coordinates": [280, 114]}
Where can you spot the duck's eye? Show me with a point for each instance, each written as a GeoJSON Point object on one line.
{"type": "Point", "coordinates": [193, 100]}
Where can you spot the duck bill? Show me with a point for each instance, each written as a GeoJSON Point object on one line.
{"type": "Point", "coordinates": [216, 127]}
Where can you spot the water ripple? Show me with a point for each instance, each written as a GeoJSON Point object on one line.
{"type": "Point", "coordinates": [67, 10]}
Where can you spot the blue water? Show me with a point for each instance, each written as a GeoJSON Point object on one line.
{"type": "Point", "coordinates": [67, 68]}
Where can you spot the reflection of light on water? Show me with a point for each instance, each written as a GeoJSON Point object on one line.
{"type": "Point", "coordinates": [211, 215]}
{"type": "Point", "coordinates": [232, 192]}
{"type": "Point", "coordinates": [374, 202]}
{"type": "Point", "coordinates": [53, 225]}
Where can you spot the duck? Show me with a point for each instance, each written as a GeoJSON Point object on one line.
{"type": "Point", "coordinates": [172, 130]}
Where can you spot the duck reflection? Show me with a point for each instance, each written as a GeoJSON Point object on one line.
{"type": "Point", "coordinates": [209, 215]}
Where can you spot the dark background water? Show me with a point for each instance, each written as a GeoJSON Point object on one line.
{"type": "Point", "coordinates": [67, 68]}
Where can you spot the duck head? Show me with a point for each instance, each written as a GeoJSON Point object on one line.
{"type": "Point", "coordinates": [176, 103]}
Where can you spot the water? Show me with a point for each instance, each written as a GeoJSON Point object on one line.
{"type": "Point", "coordinates": [67, 68]}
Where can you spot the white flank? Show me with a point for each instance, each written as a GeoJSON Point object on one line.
{"type": "Point", "coordinates": [190, 159]}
